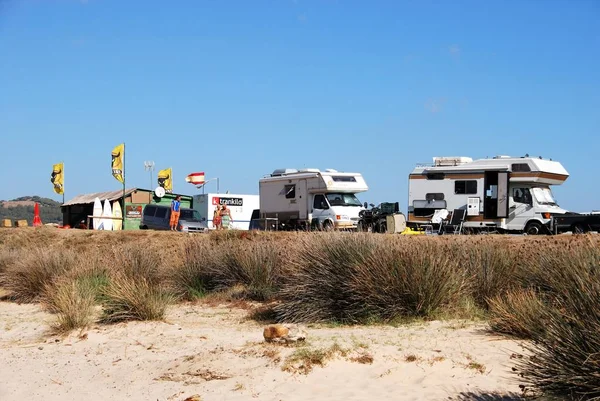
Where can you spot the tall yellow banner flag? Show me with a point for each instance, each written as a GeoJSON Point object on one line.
{"type": "Point", "coordinates": [118, 155]}
{"type": "Point", "coordinates": [165, 179]}
{"type": "Point", "coordinates": [57, 178]}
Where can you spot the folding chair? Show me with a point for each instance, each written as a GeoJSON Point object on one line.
{"type": "Point", "coordinates": [436, 220]}
{"type": "Point", "coordinates": [456, 221]}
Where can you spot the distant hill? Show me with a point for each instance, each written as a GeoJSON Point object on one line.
{"type": "Point", "coordinates": [22, 209]}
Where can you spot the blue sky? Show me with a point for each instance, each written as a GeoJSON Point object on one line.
{"type": "Point", "coordinates": [240, 88]}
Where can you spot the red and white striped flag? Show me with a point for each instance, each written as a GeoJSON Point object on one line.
{"type": "Point", "coordinates": [195, 178]}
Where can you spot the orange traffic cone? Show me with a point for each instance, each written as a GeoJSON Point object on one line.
{"type": "Point", "coordinates": [37, 221]}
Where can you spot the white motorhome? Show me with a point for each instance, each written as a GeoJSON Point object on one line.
{"type": "Point", "coordinates": [505, 193]}
{"type": "Point", "coordinates": [240, 206]}
{"type": "Point", "coordinates": [305, 198]}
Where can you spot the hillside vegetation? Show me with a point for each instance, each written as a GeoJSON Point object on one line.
{"type": "Point", "coordinates": [22, 209]}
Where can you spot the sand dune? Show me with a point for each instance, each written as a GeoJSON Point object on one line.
{"type": "Point", "coordinates": [217, 353]}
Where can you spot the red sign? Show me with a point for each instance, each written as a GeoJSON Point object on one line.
{"type": "Point", "coordinates": [133, 212]}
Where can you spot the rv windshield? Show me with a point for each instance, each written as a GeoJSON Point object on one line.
{"type": "Point", "coordinates": [338, 199]}
{"type": "Point", "coordinates": [543, 195]}
{"type": "Point", "coordinates": [189, 215]}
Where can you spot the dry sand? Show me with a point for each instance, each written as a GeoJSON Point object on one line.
{"type": "Point", "coordinates": [217, 353]}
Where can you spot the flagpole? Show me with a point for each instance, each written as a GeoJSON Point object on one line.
{"type": "Point", "coordinates": [123, 210]}
{"type": "Point", "coordinates": [63, 183]}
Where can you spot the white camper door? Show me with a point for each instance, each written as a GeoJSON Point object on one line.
{"type": "Point", "coordinates": [302, 200]}
{"type": "Point", "coordinates": [502, 195]}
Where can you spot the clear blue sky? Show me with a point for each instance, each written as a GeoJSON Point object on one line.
{"type": "Point", "coordinates": [239, 88]}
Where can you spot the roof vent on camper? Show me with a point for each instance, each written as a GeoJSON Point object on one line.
{"type": "Point", "coordinates": [283, 171]}
{"type": "Point", "coordinates": [330, 170]}
{"type": "Point", "coordinates": [450, 161]}
{"type": "Point", "coordinates": [308, 170]}
{"type": "Point", "coordinates": [502, 157]}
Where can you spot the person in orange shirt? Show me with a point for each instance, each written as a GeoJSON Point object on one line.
{"type": "Point", "coordinates": [175, 211]}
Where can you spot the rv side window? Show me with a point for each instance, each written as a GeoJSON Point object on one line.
{"type": "Point", "coordinates": [522, 167]}
{"type": "Point", "coordinates": [149, 211]}
{"type": "Point", "coordinates": [319, 202]}
{"type": "Point", "coordinates": [465, 187]}
{"type": "Point", "coordinates": [290, 191]}
{"type": "Point", "coordinates": [161, 212]}
{"type": "Point", "coordinates": [343, 178]}
{"type": "Point", "coordinates": [434, 197]}
{"type": "Point", "coordinates": [436, 176]}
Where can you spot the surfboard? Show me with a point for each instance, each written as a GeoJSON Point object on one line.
{"type": "Point", "coordinates": [107, 213]}
{"type": "Point", "coordinates": [117, 213]}
{"type": "Point", "coordinates": [97, 221]}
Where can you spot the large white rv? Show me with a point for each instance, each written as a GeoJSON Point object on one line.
{"type": "Point", "coordinates": [240, 206]}
{"type": "Point", "coordinates": [299, 199]}
{"type": "Point", "coordinates": [504, 193]}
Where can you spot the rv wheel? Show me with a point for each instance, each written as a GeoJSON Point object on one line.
{"type": "Point", "coordinates": [578, 229]}
{"type": "Point", "coordinates": [327, 225]}
{"type": "Point", "coordinates": [534, 228]}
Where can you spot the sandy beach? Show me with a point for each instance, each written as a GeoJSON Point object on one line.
{"type": "Point", "coordinates": [219, 354]}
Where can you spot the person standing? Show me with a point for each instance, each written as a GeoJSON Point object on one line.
{"type": "Point", "coordinates": [175, 210]}
{"type": "Point", "coordinates": [226, 219]}
{"type": "Point", "coordinates": [217, 218]}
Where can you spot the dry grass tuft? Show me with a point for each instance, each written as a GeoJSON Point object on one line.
{"type": "Point", "coordinates": [28, 276]}
{"type": "Point", "coordinates": [476, 366]}
{"type": "Point", "coordinates": [195, 278]}
{"type": "Point", "coordinates": [565, 357]}
{"type": "Point", "coordinates": [8, 257]}
{"type": "Point", "coordinates": [518, 313]}
{"type": "Point", "coordinates": [255, 266]}
{"type": "Point", "coordinates": [365, 279]}
{"type": "Point", "coordinates": [73, 303]}
{"type": "Point", "coordinates": [134, 299]}
{"type": "Point", "coordinates": [304, 359]}
{"type": "Point", "coordinates": [364, 358]}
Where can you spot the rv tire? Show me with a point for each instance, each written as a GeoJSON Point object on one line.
{"type": "Point", "coordinates": [327, 225]}
{"type": "Point", "coordinates": [578, 229]}
{"type": "Point", "coordinates": [534, 228]}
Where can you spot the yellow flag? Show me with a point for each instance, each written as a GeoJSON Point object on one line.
{"type": "Point", "coordinates": [118, 155]}
{"type": "Point", "coordinates": [165, 179]}
{"type": "Point", "coordinates": [57, 178]}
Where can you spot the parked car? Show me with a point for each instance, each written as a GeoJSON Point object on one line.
{"type": "Point", "coordinates": [157, 217]}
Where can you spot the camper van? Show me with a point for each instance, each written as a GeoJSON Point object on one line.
{"type": "Point", "coordinates": [240, 207]}
{"type": "Point", "coordinates": [509, 194]}
{"type": "Point", "coordinates": [310, 198]}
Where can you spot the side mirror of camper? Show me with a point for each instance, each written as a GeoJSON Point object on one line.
{"type": "Point", "coordinates": [365, 205]}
